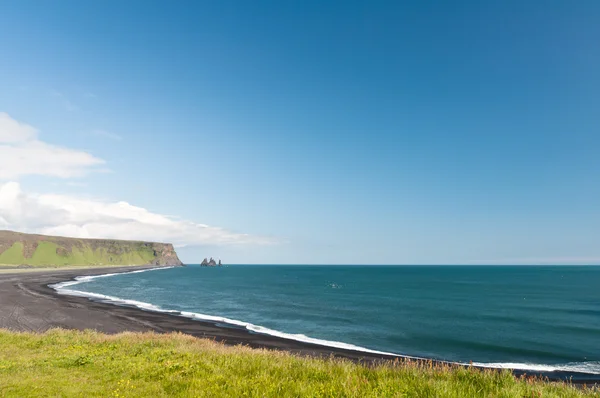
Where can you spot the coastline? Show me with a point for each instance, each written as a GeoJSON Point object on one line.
{"type": "Point", "coordinates": [27, 303]}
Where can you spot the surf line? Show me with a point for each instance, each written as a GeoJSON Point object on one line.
{"type": "Point", "coordinates": [64, 288]}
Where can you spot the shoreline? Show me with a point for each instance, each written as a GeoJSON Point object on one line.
{"type": "Point", "coordinates": [27, 303]}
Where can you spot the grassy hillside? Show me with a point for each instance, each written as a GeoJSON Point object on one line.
{"type": "Point", "coordinates": [40, 250]}
{"type": "Point", "coordinates": [71, 363]}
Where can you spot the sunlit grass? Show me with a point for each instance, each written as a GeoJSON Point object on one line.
{"type": "Point", "coordinates": [11, 269]}
{"type": "Point", "coordinates": [49, 254]}
{"type": "Point", "coordinates": [72, 363]}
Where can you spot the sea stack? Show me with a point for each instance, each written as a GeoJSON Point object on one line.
{"type": "Point", "coordinates": [210, 263]}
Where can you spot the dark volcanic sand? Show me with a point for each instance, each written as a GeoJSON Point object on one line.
{"type": "Point", "coordinates": [28, 304]}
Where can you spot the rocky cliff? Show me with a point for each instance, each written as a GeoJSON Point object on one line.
{"type": "Point", "coordinates": [39, 250]}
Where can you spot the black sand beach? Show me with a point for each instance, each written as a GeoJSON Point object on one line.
{"type": "Point", "coordinates": [28, 304]}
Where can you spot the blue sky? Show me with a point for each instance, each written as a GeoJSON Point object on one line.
{"type": "Point", "coordinates": [312, 132]}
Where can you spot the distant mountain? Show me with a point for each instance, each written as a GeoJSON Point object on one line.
{"type": "Point", "coordinates": [39, 250]}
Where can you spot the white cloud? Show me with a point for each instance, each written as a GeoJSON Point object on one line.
{"type": "Point", "coordinates": [22, 153]}
{"type": "Point", "coordinates": [65, 215]}
{"type": "Point", "coordinates": [12, 131]}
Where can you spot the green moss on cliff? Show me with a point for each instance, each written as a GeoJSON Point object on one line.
{"type": "Point", "coordinates": [14, 255]}
{"type": "Point", "coordinates": [47, 253]}
{"type": "Point", "coordinates": [59, 251]}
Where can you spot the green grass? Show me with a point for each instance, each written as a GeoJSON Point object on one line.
{"type": "Point", "coordinates": [83, 364]}
{"type": "Point", "coordinates": [53, 268]}
{"type": "Point", "coordinates": [46, 254]}
{"type": "Point", "coordinates": [13, 255]}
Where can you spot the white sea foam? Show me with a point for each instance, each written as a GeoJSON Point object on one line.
{"type": "Point", "coordinates": [63, 288]}
{"type": "Point", "coordinates": [298, 337]}
{"type": "Point", "coordinates": [89, 278]}
{"type": "Point", "coordinates": [580, 367]}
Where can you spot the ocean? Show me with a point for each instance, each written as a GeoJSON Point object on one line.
{"type": "Point", "coordinates": [523, 317]}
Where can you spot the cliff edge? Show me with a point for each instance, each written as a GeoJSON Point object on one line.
{"type": "Point", "coordinates": [19, 249]}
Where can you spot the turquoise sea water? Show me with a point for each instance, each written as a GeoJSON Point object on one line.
{"type": "Point", "coordinates": [526, 317]}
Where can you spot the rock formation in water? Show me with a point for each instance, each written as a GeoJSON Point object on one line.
{"type": "Point", "coordinates": [210, 263]}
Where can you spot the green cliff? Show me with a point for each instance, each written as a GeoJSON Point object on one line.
{"type": "Point", "coordinates": [18, 249]}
